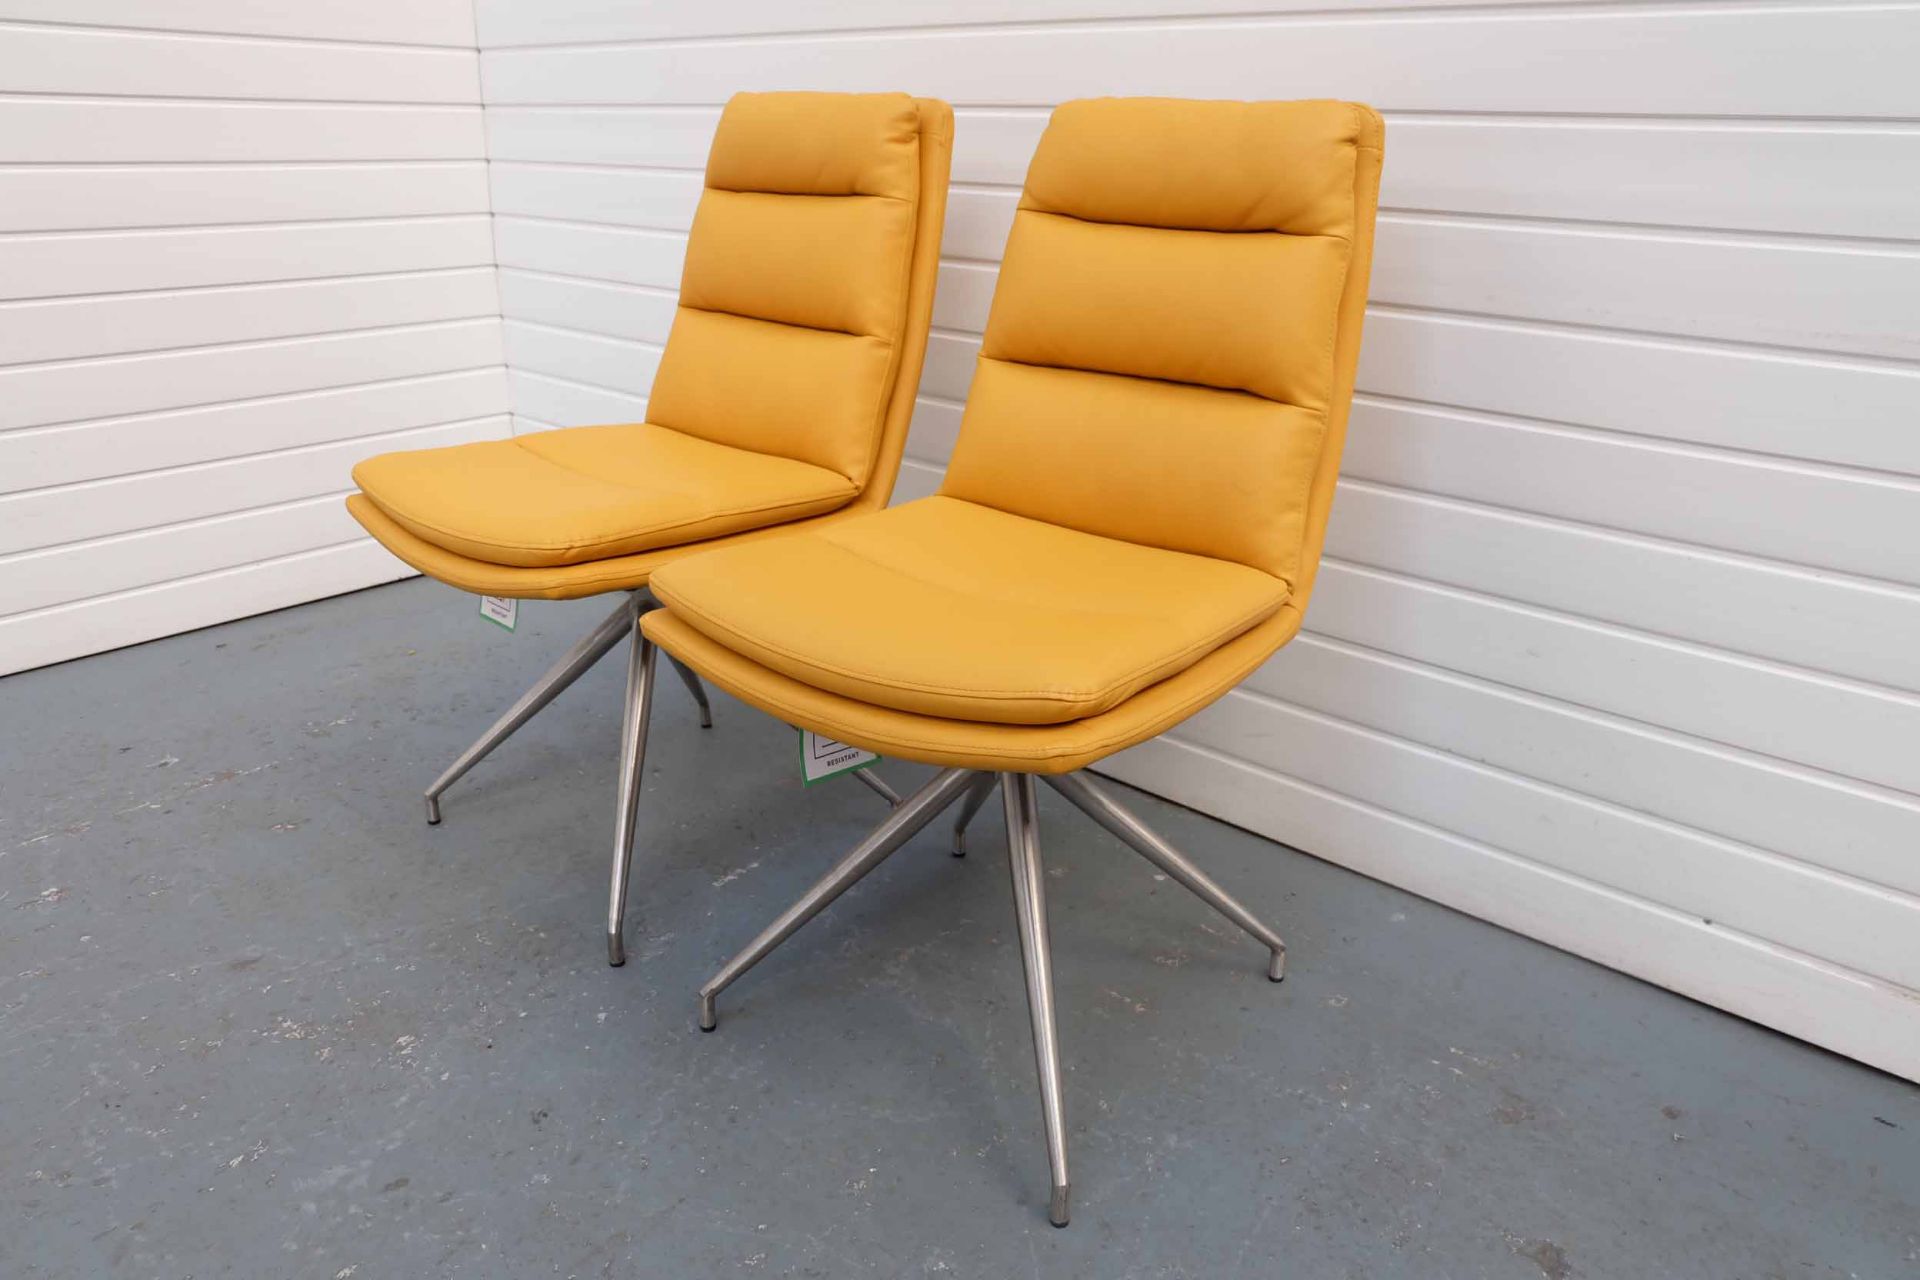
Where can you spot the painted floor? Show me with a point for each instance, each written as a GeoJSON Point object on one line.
{"type": "Point", "coordinates": [258, 1020]}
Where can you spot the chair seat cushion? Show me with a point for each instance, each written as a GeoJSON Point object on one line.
{"type": "Point", "coordinates": [950, 608]}
{"type": "Point", "coordinates": [589, 493]}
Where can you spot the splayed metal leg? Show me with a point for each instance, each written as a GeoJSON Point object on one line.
{"type": "Point", "coordinates": [694, 687]}
{"type": "Point", "coordinates": [633, 759]}
{"type": "Point", "coordinates": [976, 796]}
{"type": "Point", "coordinates": [912, 814]}
{"type": "Point", "coordinates": [1106, 811]}
{"type": "Point", "coordinates": [1036, 953]}
{"type": "Point", "coordinates": [572, 665]}
{"type": "Point", "coordinates": [1030, 912]}
{"type": "Point", "coordinates": [878, 786]}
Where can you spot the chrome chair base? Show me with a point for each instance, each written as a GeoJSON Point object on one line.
{"type": "Point", "coordinates": [623, 622]}
{"type": "Point", "coordinates": [983, 785]}
{"type": "Point", "coordinates": [633, 759]}
{"type": "Point", "coordinates": [573, 664]}
{"type": "Point", "coordinates": [1106, 811]}
{"type": "Point", "coordinates": [694, 687]}
{"type": "Point", "coordinates": [878, 785]}
{"type": "Point", "coordinates": [911, 814]}
{"type": "Point", "coordinates": [1030, 903]}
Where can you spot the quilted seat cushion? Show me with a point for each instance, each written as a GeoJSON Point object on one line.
{"type": "Point", "coordinates": [587, 493]}
{"type": "Point", "coordinates": [952, 609]}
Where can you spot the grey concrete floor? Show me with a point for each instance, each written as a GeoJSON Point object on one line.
{"type": "Point", "coordinates": [258, 1020]}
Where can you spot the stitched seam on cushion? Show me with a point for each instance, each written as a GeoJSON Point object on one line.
{"type": "Point", "coordinates": [851, 333]}
{"type": "Point", "coordinates": [795, 710]}
{"type": "Point", "coordinates": [519, 442]}
{"type": "Point", "coordinates": [1067, 697]}
{"type": "Point", "coordinates": [807, 195]}
{"type": "Point", "coordinates": [1061, 522]}
{"type": "Point", "coordinates": [791, 324]}
{"type": "Point", "coordinates": [1209, 231]}
{"type": "Point", "coordinates": [1148, 377]}
{"type": "Point", "coordinates": [644, 529]}
{"type": "Point", "coordinates": [603, 581]}
{"type": "Point", "coordinates": [1151, 377]}
{"type": "Point", "coordinates": [625, 579]}
{"type": "Point", "coordinates": [1099, 747]}
{"type": "Point", "coordinates": [595, 585]}
{"type": "Point", "coordinates": [828, 536]}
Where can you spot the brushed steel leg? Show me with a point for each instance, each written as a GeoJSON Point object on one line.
{"type": "Point", "coordinates": [1106, 811]}
{"type": "Point", "coordinates": [694, 687]}
{"type": "Point", "coordinates": [913, 813]}
{"type": "Point", "coordinates": [976, 796]}
{"type": "Point", "coordinates": [633, 758]}
{"type": "Point", "coordinates": [571, 666]}
{"type": "Point", "coordinates": [878, 785]}
{"type": "Point", "coordinates": [1036, 953]}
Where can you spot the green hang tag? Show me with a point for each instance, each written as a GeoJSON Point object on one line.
{"type": "Point", "coordinates": [501, 611]}
{"type": "Point", "coordinates": [822, 758]}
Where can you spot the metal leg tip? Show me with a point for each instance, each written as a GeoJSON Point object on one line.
{"type": "Point", "coordinates": [1057, 1208]}
{"type": "Point", "coordinates": [616, 950]}
{"type": "Point", "coordinates": [1277, 966]}
{"type": "Point", "coordinates": [706, 718]}
{"type": "Point", "coordinates": [708, 1018]}
{"type": "Point", "coordinates": [959, 844]}
{"type": "Point", "coordinates": [433, 811]}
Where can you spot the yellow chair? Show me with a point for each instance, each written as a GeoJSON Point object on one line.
{"type": "Point", "coordinates": [781, 402]}
{"type": "Point", "coordinates": [1133, 513]}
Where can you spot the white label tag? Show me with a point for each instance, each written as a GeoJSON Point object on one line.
{"type": "Point", "coordinates": [500, 610]}
{"type": "Point", "coordinates": [822, 758]}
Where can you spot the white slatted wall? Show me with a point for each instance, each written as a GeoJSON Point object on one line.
{"type": "Point", "coordinates": [242, 246]}
{"type": "Point", "coordinates": [1618, 639]}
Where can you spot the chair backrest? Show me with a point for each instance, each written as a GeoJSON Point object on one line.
{"type": "Point", "coordinates": [808, 284]}
{"type": "Point", "coordinates": [1171, 350]}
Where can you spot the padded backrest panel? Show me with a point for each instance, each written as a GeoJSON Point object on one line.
{"type": "Point", "coordinates": [1171, 348]}
{"type": "Point", "coordinates": [794, 298]}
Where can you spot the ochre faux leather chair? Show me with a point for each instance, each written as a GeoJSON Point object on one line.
{"type": "Point", "coordinates": [781, 401]}
{"type": "Point", "coordinates": [1133, 513]}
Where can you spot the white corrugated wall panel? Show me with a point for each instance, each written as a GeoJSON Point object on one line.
{"type": "Point", "coordinates": [242, 246]}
